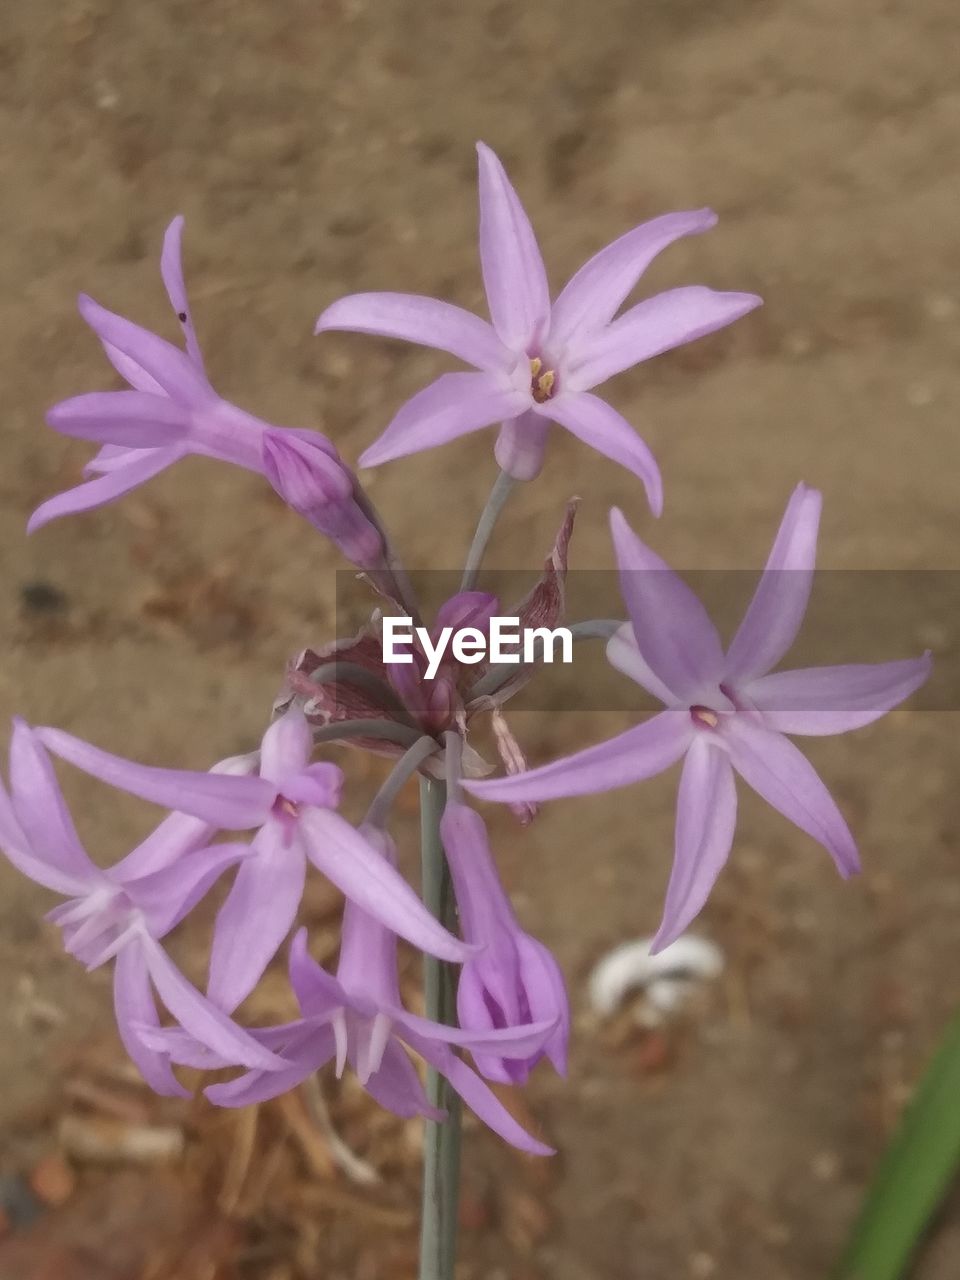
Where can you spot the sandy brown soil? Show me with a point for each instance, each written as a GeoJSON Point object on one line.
{"type": "Point", "coordinates": [323, 146]}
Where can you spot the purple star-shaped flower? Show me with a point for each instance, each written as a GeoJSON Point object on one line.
{"type": "Point", "coordinates": [171, 410]}
{"type": "Point", "coordinates": [122, 913]}
{"type": "Point", "coordinates": [358, 1017]}
{"type": "Point", "coordinates": [538, 363]}
{"type": "Point", "coordinates": [292, 805]}
{"type": "Point", "coordinates": [725, 713]}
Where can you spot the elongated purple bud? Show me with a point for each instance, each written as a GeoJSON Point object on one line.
{"type": "Point", "coordinates": [321, 489]}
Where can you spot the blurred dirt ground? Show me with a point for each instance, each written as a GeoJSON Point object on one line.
{"type": "Point", "coordinates": [321, 147]}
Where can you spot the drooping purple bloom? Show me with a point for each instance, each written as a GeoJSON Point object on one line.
{"type": "Point", "coordinates": [358, 1017]}
{"type": "Point", "coordinates": [122, 913]}
{"type": "Point", "coordinates": [513, 980]}
{"type": "Point", "coordinates": [170, 410]}
{"type": "Point", "coordinates": [320, 488]}
{"type": "Point", "coordinates": [725, 713]}
{"type": "Point", "coordinates": [292, 804]}
{"type": "Point", "coordinates": [538, 363]}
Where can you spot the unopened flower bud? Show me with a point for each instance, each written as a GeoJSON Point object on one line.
{"type": "Point", "coordinates": [322, 490]}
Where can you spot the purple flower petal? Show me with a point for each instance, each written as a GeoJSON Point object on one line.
{"type": "Point", "coordinates": [16, 847]}
{"type": "Point", "coordinates": [478, 1096]}
{"type": "Point", "coordinates": [513, 271]}
{"type": "Point", "coordinates": [595, 294]}
{"type": "Point", "coordinates": [396, 1086]}
{"type": "Point", "coordinates": [674, 633]}
{"type": "Point", "coordinates": [286, 747]}
{"type": "Point", "coordinates": [426, 321]}
{"type": "Point", "coordinates": [452, 406]}
{"type": "Point", "coordinates": [171, 368]}
{"type": "Point", "coordinates": [257, 915]}
{"type": "Point", "coordinates": [130, 418]}
{"type": "Point", "coordinates": [546, 994]}
{"type": "Point", "coordinates": [655, 325]}
{"type": "Point", "coordinates": [40, 809]}
{"type": "Point", "coordinates": [363, 875]}
{"type": "Point", "coordinates": [624, 656]}
{"type": "Point", "coordinates": [521, 445]}
{"type": "Point", "coordinates": [779, 772]}
{"type": "Point", "coordinates": [641, 752]}
{"type": "Point", "coordinates": [319, 995]}
{"type": "Point", "coordinates": [776, 611]}
{"type": "Point", "coordinates": [599, 425]}
{"type": "Point", "coordinates": [115, 483]}
{"type": "Point", "coordinates": [229, 803]}
{"type": "Point", "coordinates": [823, 700]}
{"type": "Point", "coordinates": [171, 271]}
{"type": "Point", "coordinates": [167, 896]}
{"type": "Point", "coordinates": [319, 784]}
{"type": "Point", "coordinates": [210, 1025]}
{"type": "Point", "coordinates": [304, 1058]}
{"type": "Point", "coordinates": [507, 1042]}
{"type": "Point", "coordinates": [706, 819]}
{"type": "Point", "coordinates": [134, 1004]}
{"type": "Point", "coordinates": [176, 836]}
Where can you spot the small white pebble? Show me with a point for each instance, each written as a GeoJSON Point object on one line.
{"type": "Point", "coordinates": [666, 977]}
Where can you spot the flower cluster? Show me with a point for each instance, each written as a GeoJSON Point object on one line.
{"type": "Point", "coordinates": [269, 818]}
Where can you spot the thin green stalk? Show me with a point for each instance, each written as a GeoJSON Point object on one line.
{"type": "Point", "coordinates": [399, 776]}
{"type": "Point", "coordinates": [441, 1144]}
{"type": "Point", "coordinates": [502, 488]}
{"type": "Point", "coordinates": [403, 735]}
{"type": "Point", "coordinates": [914, 1174]}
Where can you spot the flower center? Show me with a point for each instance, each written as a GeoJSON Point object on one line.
{"type": "Point", "coordinates": [704, 717]}
{"type": "Point", "coordinates": [542, 381]}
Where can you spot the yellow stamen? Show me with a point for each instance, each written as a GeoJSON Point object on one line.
{"type": "Point", "coordinates": [541, 383]}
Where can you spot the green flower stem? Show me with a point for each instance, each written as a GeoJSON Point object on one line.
{"type": "Point", "coordinates": [441, 1143]}
{"type": "Point", "coordinates": [502, 488]}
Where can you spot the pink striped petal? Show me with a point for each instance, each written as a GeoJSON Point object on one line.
{"type": "Point", "coordinates": [655, 325]}
{"type": "Point", "coordinates": [599, 425]}
{"type": "Point", "coordinates": [175, 372]}
{"type": "Point", "coordinates": [454, 405]}
{"type": "Point", "coordinates": [171, 271]}
{"type": "Point", "coordinates": [673, 630]}
{"type": "Point", "coordinates": [303, 1057]}
{"type": "Point", "coordinates": [166, 897]}
{"type": "Point", "coordinates": [506, 1042]}
{"type": "Point", "coordinates": [521, 445]}
{"type": "Point", "coordinates": [364, 876]}
{"type": "Point", "coordinates": [40, 808]}
{"type": "Point", "coordinates": [478, 1096]}
{"type": "Point", "coordinates": [624, 656]}
{"type": "Point", "coordinates": [95, 493]}
{"type": "Point", "coordinates": [776, 611]}
{"type": "Point", "coordinates": [786, 779]}
{"type": "Point", "coordinates": [706, 819]}
{"type": "Point", "coordinates": [641, 752]}
{"type": "Point", "coordinates": [513, 272]}
{"type": "Point", "coordinates": [426, 321]}
{"type": "Point", "coordinates": [286, 747]}
{"type": "Point", "coordinates": [396, 1086]}
{"type": "Point", "coordinates": [824, 700]}
{"type": "Point", "coordinates": [133, 419]}
{"type": "Point", "coordinates": [595, 294]}
{"type": "Point", "coordinates": [257, 915]}
{"type": "Point", "coordinates": [202, 1019]}
{"type": "Point", "coordinates": [134, 1007]}
{"type": "Point", "coordinates": [228, 803]}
